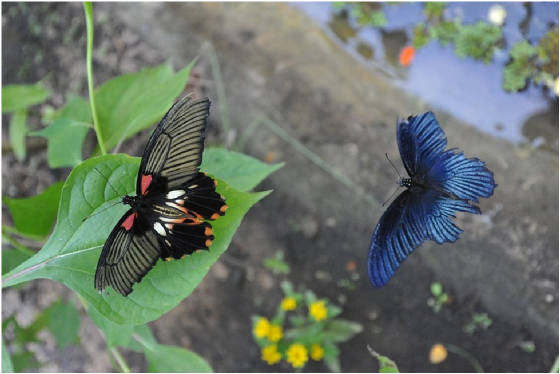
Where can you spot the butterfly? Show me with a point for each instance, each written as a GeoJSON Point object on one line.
{"type": "Point", "coordinates": [174, 200]}
{"type": "Point", "coordinates": [441, 182]}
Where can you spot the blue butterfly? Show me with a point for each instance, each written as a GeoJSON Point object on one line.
{"type": "Point", "coordinates": [441, 182]}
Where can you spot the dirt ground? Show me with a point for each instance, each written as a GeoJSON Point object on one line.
{"type": "Point", "coordinates": [276, 64]}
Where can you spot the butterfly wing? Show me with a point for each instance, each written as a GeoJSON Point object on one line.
{"type": "Point", "coordinates": [174, 151]}
{"type": "Point", "coordinates": [129, 253]}
{"type": "Point", "coordinates": [415, 215]}
{"type": "Point", "coordinates": [420, 140]}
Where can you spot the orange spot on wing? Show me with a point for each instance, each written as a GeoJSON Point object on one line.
{"type": "Point", "coordinates": [208, 243]}
{"type": "Point", "coordinates": [223, 208]}
{"type": "Point", "coordinates": [214, 216]}
{"type": "Point", "coordinates": [168, 259]}
{"type": "Point", "coordinates": [145, 183]}
{"type": "Point", "coordinates": [208, 231]}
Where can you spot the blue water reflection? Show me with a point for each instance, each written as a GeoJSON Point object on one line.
{"type": "Point", "coordinates": [470, 89]}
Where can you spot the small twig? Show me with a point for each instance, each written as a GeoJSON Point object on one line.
{"type": "Point", "coordinates": [220, 89]}
{"type": "Point", "coordinates": [466, 355]}
{"type": "Point", "coordinates": [31, 144]}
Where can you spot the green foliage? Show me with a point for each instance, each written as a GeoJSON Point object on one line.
{"type": "Point", "coordinates": [277, 263]}
{"type": "Point", "coordinates": [18, 98]}
{"type": "Point", "coordinates": [132, 102]}
{"type": "Point", "coordinates": [434, 10]}
{"type": "Point", "coordinates": [18, 132]}
{"type": "Point", "coordinates": [479, 321]}
{"type": "Point", "coordinates": [60, 318]}
{"type": "Point", "coordinates": [242, 172]}
{"type": "Point", "coordinates": [420, 36]}
{"type": "Point", "coordinates": [70, 255]}
{"type": "Point", "coordinates": [386, 365]}
{"type": "Point", "coordinates": [34, 216]}
{"type": "Point", "coordinates": [518, 71]}
{"type": "Point", "coordinates": [439, 298]}
{"type": "Point", "coordinates": [64, 323]}
{"type": "Point", "coordinates": [65, 136]}
{"type": "Point", "coordinates": [7, 365]}
{"type": "Point", "coordinates": [21, 96]}
{"type": "Point", "coordinates": [312, 323]}
{"type": "Point", "coordinates": [478, 41]}
{"type": "Point", "coordinates": [13, 257]}
{"type": "Point", "coordinates": [528, 346]}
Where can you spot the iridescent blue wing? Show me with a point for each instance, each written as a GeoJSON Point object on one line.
{"type": "Point", "coordinates": [421, 140]}
{"type": "Point", "coordinates": [414, 216]}
{"type": "Point", "coordinates": [461, 177]}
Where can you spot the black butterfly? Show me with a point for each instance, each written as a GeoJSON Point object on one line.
{"type": "Point", "coordinates": [173, 200]}
{"type": "Point", "coordinates": [441, 182]}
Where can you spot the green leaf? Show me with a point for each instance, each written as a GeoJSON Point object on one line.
{"type": "Point", "coordinates": [132, 102]}
{"type": "Point", "coordinates": [34, 216]}
{"type": "Point", "coordinates": [115, 334]}
{"type": "Point", "coordinates": [66, 135]}
{"type": "Point", "coordinates": [164, 358]}
{"type": "Point", "coordinates": [277, 263]}
{"type": "Point", "coordinates": [478, 41]}
{"type": "Point", "coordinates": [434, 10]}
{"type": "Point", "coordinates": [13, 257]}
{"type": "Point", "coordinates": [287, 288]}
{"type": "Point", "coordinates": [420, 36]}
{"type": "Point", "coordinates": [242, 172]}
{"type": "Point", "coordinates": [436, 289]}
{"type": "Point", "coordinates": [386, 365]}
{"type": "Point", "coordinates": [23, 361]}
{"type": "Point", "coordinates": [18, 132]}
{"type": "Point", "coordinates": [169, 359]}
{"type": "Point", "coordinates": [71, 253]}
{"type": "Point", "coordinates": [331, 357]}
{"type": "Point", "coordinates": [21, 96]}
{"type": "Point", "coordinates": [64, 323]}
{"type": "Point", "coordinates": [7, 365]}
{"type": "Point", "coordinates": [520, 68]}
{"type": "Point", "coordinates": [340, 330]}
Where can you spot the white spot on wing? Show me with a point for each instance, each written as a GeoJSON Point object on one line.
{"type": "Point", "coordinates": [175, 194]}
{"type": "Point", "coordinates": [159, 229]}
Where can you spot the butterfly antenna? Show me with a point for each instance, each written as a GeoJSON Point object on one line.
{"type": "Point", "coordinates": [107, 179]}
{"type": "Point", "coordinates": [388, 159]}
{"type": "Point", "coordinates": [391, 197]}
{"type": "Point", "coordinates": [101, 211]}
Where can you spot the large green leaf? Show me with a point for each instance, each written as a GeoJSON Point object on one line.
{"type": "Point", "coordinates": [115, 334]}
{"type": "Point", "coordinates": [34, 216]}
{"type": "Point", "coordinates": [18, 132]}
{"type": "Point", "coordinates": [340, 330]}
{"type": "Point", "coordinates": [71, 253]}
{"type": "Point", "coordinates": [22, 96]}
{"type": "Point", "coordinates": [65, 136]}
{"type": "Point", "coordinates": [241, 171]}
{"type": "Point", "coordinates": [132, 102]}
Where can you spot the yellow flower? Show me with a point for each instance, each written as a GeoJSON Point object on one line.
{"type": "Point", "coordinates": [318, 311]}
{"type": "Point", "coordinates": [289, 303]}
{"type": "Point", "coordinates": [297, 355]}
{"type": "Point", "coordinates": [317, 352]}
{"type": "Point", "coordinates": [262, 327]}
{"type": "Point", "coordinates": [438, 353]}
{"type": "Point", "coordinates": [270, 354]}
{"type": "Point", "coordinates": [275, 333]}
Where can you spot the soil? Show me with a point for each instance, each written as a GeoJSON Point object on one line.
{"type": "Point", "coordinates": [276, 64]}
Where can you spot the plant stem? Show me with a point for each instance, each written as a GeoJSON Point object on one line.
{"type": "Point", "coordinates": [466, 355]}
{"type": "Point", "coordinates": [220, 89]}
{"type": "Point", "coordinates": [120, 360]}
{"type": "Point", "coordinates": [307, 153]}
{"type": "Point", "coordinates": [88, 9]}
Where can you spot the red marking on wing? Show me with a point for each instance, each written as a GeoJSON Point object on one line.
{"type": "Point", "coordinates": [145, 183]}
{"type": "Point", "coordinates": [128, 222]}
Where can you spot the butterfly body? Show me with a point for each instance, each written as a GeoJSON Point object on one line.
{"type": "Point", "coordinates": [441, 182]}
{"type": "Point", "coordinates": [168, 217]}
